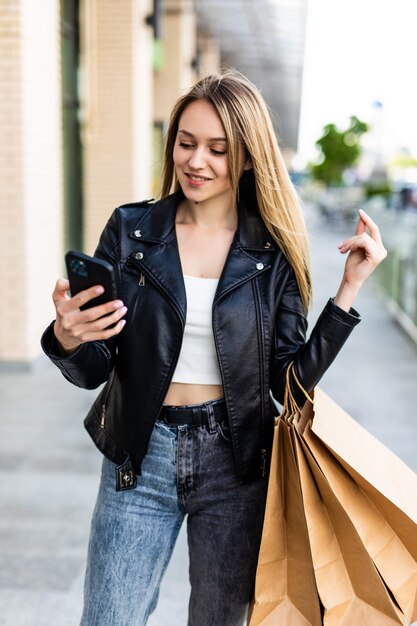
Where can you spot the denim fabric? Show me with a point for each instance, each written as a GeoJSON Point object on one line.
{"type": "Point", "coordinates": [188, 471]}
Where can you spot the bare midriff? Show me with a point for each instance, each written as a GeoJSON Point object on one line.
{"type": "Point", "coordinates": [183, 393]}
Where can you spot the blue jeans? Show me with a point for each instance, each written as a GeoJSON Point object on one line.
{"type": "Point", "coordinates": [188, 470]}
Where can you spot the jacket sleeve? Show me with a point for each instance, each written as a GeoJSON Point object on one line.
{"type": "Point", "coordinates": [312, 357]}
{"type": "Point", "coordinates": [91, 364]}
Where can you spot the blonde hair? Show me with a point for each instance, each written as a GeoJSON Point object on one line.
{"type": "Point", "coordinates": [247, 122]}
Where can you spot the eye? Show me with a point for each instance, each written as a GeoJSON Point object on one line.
{"type": "Point", "coordinates": [218, 152]}
{"type": "Point", "coordinates": [185, 145]}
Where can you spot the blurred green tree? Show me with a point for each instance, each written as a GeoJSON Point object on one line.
{"type": "Point", "coordinates": [340, 150]}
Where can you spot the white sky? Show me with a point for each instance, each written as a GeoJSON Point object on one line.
{"type": "Point", "coordinates": [359, 51]}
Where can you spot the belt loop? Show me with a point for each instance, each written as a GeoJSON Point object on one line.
{"type": "Point", "coordinates": [211, 420]}
{"type": "Point", "coordinates": [162, 414]}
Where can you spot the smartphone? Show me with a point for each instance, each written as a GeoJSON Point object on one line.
{"type": "Point", "coordinates": [86, 271]}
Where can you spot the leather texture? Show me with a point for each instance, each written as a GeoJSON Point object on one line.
{"type": "Point", "coordinates": [259, 327]}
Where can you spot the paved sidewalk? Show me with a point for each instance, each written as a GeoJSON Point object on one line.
{"type": "Point", "coordinates": [49, 468]}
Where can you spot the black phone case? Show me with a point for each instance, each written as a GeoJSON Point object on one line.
{"type": "Point", "coordinates": [85, 271]}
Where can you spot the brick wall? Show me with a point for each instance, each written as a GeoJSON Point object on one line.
{"type": "Point", "coordinates": [179, 49]}
{"type": "Point", "coordinates": [116, 108]}
{"type": "Point", "coordinates": [30, 173]}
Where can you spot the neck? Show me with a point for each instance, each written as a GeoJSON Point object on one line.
{"type": "Point", "coordinates": [213, 214]}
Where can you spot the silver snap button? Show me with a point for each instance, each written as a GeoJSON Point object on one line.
{"type": "Point", "coordinates": [259, 266]}
{"type": "Point", "coordinates": [139, 256]}
{"type": "Point", "coordinates": [267, 245]}
{"type": "Point", "coordinates": [138, 233]}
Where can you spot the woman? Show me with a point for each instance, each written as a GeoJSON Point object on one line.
{"type": "Point", "coordinates": [214, 285]}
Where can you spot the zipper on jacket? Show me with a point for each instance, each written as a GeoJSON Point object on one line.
{"type": "Point", "coordinates": [262, 373]}
{"type": "Point", "coordinates": [104, 405]}
{"type": "Point", "coordinates": [263, 462]}
{"type": "Point", "coordinates": [216, 345]}
{"type": "Point", "coordinates": [131, 263]}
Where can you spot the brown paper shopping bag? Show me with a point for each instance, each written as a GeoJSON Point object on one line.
{"type": "Point", "coordinates": [285, 589]}
{"type": "Point", "coordinates": [350, 588]}
{"type": "Point", "coordinates": [389, 536]}
{"type": "Point", "coordinates": [361, 531]}
{"type": "Point", "coordinates": [365, 453]}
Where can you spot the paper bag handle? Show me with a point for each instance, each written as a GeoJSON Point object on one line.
{"type": "Point", "coordinates": [288, 393]}
{"type": "Point", "coordinates": [291, 408]}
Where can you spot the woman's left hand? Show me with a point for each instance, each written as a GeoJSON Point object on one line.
{"type": "Point", "coordinates": [366, 251]}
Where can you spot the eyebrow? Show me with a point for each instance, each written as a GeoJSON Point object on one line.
{"type": "Point", "coordinates": [185, 132]}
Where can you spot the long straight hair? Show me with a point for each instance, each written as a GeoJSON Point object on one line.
{"type": "Point", "coordinates": [247, 122]}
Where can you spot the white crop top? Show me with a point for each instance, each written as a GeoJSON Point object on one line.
{"type": "Point", "coordinates": [197, 363]}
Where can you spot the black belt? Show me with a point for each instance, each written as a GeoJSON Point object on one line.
{"type": "Point", "coordinates": [194, 414]}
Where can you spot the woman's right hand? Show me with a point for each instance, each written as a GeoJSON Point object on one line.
{"type": "Point", "coordinates": [73, 327]}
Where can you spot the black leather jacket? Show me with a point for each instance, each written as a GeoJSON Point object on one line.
{"type": "Point", "coordinates": [259, 327]}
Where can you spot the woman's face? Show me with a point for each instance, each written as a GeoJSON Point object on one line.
{"type": "Point", "coordinates": [200, 154]}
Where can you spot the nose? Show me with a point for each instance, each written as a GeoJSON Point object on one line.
{"type": "Point", "coordinates": [197, 159]}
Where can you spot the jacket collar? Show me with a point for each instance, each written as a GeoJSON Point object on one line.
{"type": "Point", "coordinates": [153, 249]}
{"type": "Point", "coordinates": [157, 224]}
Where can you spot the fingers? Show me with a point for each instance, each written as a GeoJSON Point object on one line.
{"type": "Point", "coordinates": [74, 326]}
{"type": "Point", "coordinates": [91, 335]}
{"type": "Point", "coordinates": [360, 226]}
{"type": "Point", "coordinates": [85, 296]}
{"type": "Point", "coordinates": [361, 239]}
{"type": "Point", "coordinates": [107, 320]}
{"type": "Point", "coordinates": [63, 303]}
{"type": "Point", "coordinates": [97, 317]}
{"type": "Point", "coordinates": [71, 339]}
{"type": "Point", "coordinates": [76, 329]}
{"type": "Point", "coordinates": [96, 312]}
{"type": "Point", "coordinates": [372, 250]}
{"type": "Point", "coordinates": [60, 290]}
{"type": "Point", "coordinates": [373, 228]}
{"type": "Point", "coordinates": [357, 241]}
{"type": "Point", "coordinates": [62, 287]}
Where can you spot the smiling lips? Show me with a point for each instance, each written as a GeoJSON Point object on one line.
{"type": "Point", "coordinates": [196, 181]}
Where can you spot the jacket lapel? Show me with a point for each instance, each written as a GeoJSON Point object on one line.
{"type": "Point", "coordinates": [249, 253]}
{"type": "Point", "coordinates": [153, 248]}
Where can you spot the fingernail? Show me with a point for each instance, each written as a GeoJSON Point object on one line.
{"type": "Point", "coordinates": [118, 304]}
{"type": "Point", "coordinates": [99, 289]}
{"type": "Point", "coordinates": [122, 322]}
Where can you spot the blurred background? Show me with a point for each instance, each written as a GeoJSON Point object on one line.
{"type": "Point", "coordinates": [86, 88]}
